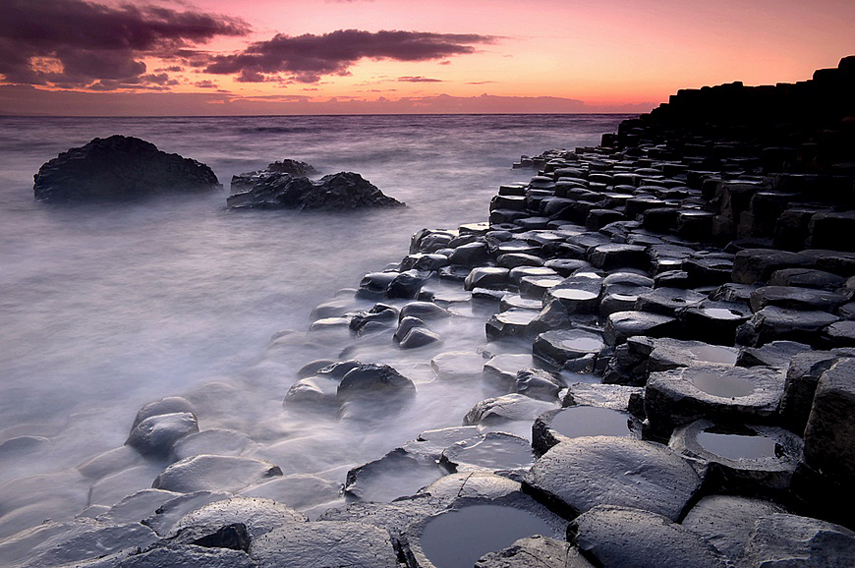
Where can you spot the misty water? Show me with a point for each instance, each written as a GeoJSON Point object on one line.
{"type": "Point", "coordinates": [107, 307]}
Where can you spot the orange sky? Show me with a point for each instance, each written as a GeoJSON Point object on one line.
{"type": "Point", "coordinates": [220, 56]}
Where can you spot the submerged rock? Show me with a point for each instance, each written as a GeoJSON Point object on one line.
{"type": "Point", "coordinates": [274, 190]}
{"type": "Point", "coordinates": [119, 168]}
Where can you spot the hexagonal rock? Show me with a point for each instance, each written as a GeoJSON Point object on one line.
{"type": "Point", "coordinates": [714, 322]}
{"type": "Point", "coordinates": [497, 452]}
{"type": "Point", "coordinates": [577, 475]}
{"type": "Point", "coordinates": [511, 323]}
{"type": "Point", "coordinates": [726, 521]}
{"type": "Point", "coordinates": [501, 370]}
{"type": "Point", "coordinates": [559, 346]}
{"type": "Point", "coordinates": [506, 408]}
{"type": "Point", "coordinates": [667, 301]}
{"type": "Point", "coordinates": [796, 298]}
{"type": "Point", "coordinates": [486, 277]}
{"type": "Point", "coordinates": [538, 384]}
{"type": "Point", "coordinates": [830, 432]}
{"type": "Point", "coordinates": [628, 537]}
{"type": "Point", "coordinates": [622, 325]}
{"type": "Point", "coordinates": [752, 459]}
{"type": "Point", "coordinates": [535, 552]}
{"type": "Point", "coordinates": [459, 537]}
{"type": "Point", "coordinates": [458, 365]}
{"type": "Point", "coordinates": [206, 472]}
{"type": "Point", "coordinates": [757, 265]}
{"type": "Point", "coordinates": [577, 294]}
{"type": "Point", "coordinates": [840, 334]}
{"type": "Point", "coordinates": [613, 255]}
{"type": "Point", "coordinates": [258, 516]}
{"type": "Point", "coordinates": [790, 540]}
{"type": "Point", "coordinates": [396, 474]}
{"type": "Point", "coordinates": [564, 424]}
{"type": "Point", "coordinates": [325, 544]}
{"type": "Point", "coordinates": [677, 397]}
{"type": "Point", "coordinates": [154, 436]}
{"type": "Point", "coordinates": [807, 278]}
{"type": "Point", "coordinates": [775, 323]}
{"type": "Point", "coordinates": [803, 374]}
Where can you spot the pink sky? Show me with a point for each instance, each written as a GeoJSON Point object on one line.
{"type": "Point", "coordinates": [203, 57]}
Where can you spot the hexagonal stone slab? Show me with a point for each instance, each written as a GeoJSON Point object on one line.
{"type": "Point", "coordinates": [585, 472]}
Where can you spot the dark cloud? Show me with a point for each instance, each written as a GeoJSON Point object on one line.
{"type": "Point", "coordinates": [206, 85]}
{"type": "Point", "coordinates": [308, 57]}
{"type": "Point", "coordinates": [75, 43]}
{"type": "Point", "coordinates": [418, 79]}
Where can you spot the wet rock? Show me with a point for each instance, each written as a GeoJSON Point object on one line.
{"type": "Point", "coordinates": [398, 473]}
{"type": "Point", "coordinates": [511, 301]}
{"type": "Point", "coordinates": [740, 459]}
{"type": "Point", "coordinates": [136, 507]}
{"type": "Point", "coordinates": [538, 384]}
{"type": "Point", "coordinates": [423, 261]}
{"type": "Point", "coordinates": [185, 555]}
{"type": "Point", "coordinates": [497, 452]}
{"type": "Point", "coordinates": [667, 301]}
{"type": "Point", "coordinates": [615, 397]}
{"type": "Point", "coordinates": [119, 168]}
{"type": "Point", "coordinates": [155, 435]}
{"type": "Point", "coordinates": [167, 405]}
{"type": "Point", "coordinates": [458, 366]}
{"type": "Point", "coordinates": [840, 334]}
{"type": "Point", "coordinates": [433, 442]}
{"type": "Point", "coordinates": [830, 432]}
{"type": "Point", "coordinates": [407, 284]}
{"type": "Point", "coordinates": [774, 323]}
{"type": "Point", "coordinates": [506, 408]}
{"type": "Point", "coordinates": [796, 298]}
{"type": "Point", "coordinates": [677, 397]}
{"type": "Point", "coordinates": [419, 337]}
{"type": "Point", "coordinates": [807, 278]}
{"type": "Point", "coordinates": [515, 275]}
{"type": "Point", "coordinates": [335, 192]}
{"type": "Point", "coordinates": [577, 475]}
{"type": "Point", "coordinates": [459, 537]}
{"type": "Point", "coordinates": [172, 511]}
{"type": "Point", "coordinates": [299, 490]}
{"type": "Point", "coordinates": [613, 256]}
{"type": "Point", "coordinates": [255, 516]}
{"type": "Point", "coordinates": [535, 287]}
{"type": "Point", "coordinates": [513, 259]}
{"type": "Point", "coordinates": [373, 285]}
{"type": "Point", "coordinates": [776, 354]}
{"type": "Point", "coordinates": [508, 324]}
{"type": "Point", "coordinates": [325, 543]}
{"type": "Point", "coordinates": [206, 472]}
{"type": "Point", "coordinates": [292, 167]}
{"type": "Point", "coordinates": [757, 265]}
{"type": "Point", "coordinates": [803, 374]}
{"type": "Point", "coordinates": [374, 383]}
{"type": "Point", "coordinates": [501, 370]}
{"type": "Point", "coordinates": [471, 254]}
{"type": "Point", "coordinates": [622, 325]}
{"type": "Point", "coordinates": [563, 424]}
{"type": "Point", "coordinates": [559, 347]}
{"type": "Point", "coordinates": [426, 311]}
{"type": "Point", "coordinates": [486, 277]}
{"type": "Point", "coordinates": [577, 294]}
{"type": "Point", "coordinates": [220, 441]}
{"type": "Point", "coordinates": [316, 393]}
{"type": "Point", "coordinates": [726, 521]}
{"type": "Point", "coordinates": [714, 322]}
{"type": "Point", "coordinates": [535, 552]}
{"type": "Point", "coordinates": [799, 541]}
{"type": "Point", "coordinates": [629, 537]}
{"type": "Point", "coordinates": [566, 266]}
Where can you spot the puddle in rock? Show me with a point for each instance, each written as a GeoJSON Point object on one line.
{"type": "Point", "coordinates": [547, 282]}
{"type": "Point", "coordinates": [578, 421]}
{"type": "Point", "coordinates": [623, 297]}
{"type": "Point", "coordinates": [457, 539]}
{"type": "Point", "coordinates": [588, 344]}
{"type": "Point", "coordinates": [494, 452]}
{"type": "Point", "coordinates": [714, 354]}
{"type": "Point", "coordinates": [721, 385]}
{"type": "Point", "coordinates": [517, 316]}
{"type": "Point", "coordinates": [721, 314]}
{"type": "Point", "coordinates": [574, 294]}
{"type": "Point", "coordinates": [736, 446]}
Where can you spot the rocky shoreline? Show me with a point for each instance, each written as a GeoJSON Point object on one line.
{"type": "Point", "coordinates": [667, 363]}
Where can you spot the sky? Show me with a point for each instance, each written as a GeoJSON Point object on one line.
{"type": "Point", "coordinates": [254, 57]}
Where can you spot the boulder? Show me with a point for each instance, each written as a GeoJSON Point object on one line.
{"type": "Point", "coordinates": [336, 192]}
{"type": "Point", "coordinates": [119, 168]}
{"type": "Point", "coordinates": [292, 167]}
{"type": "Point", "coordinates": [155, 435]}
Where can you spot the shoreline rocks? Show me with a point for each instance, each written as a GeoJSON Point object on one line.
{"type": "Point", "coordinates": [119, 168]}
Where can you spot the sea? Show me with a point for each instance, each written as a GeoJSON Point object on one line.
{"type": "Point", "coordinates": [104, 308]}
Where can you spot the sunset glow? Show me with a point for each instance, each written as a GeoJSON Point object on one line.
{"type": "Point", "coordinates": [204, 57]}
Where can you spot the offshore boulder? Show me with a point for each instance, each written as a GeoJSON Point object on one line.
{"type": "Point", "coordinates": [119, 168]}
{"type": "Point", "coordinates": [271, 189]}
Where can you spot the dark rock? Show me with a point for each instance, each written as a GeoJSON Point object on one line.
{"type": "Point", "coordinates": [796, 298]}
{"type": "Point", "coordinates": [777, 354]}
{"type": "Point", "coordinates": [535, 552]}
{"type": "Point", "coordinates": [807, 278]}
{"type": "Point", "coordinates": [714, 322]}
{"type": "Point", "coordinates": [206, 472]}
{"type": "Point", "coordinates": [315, 393]}
{"type": "Point", "coordinates": [422, 261]}
{"type": "Point", "coordinates": [753, 265]}
{"type": "Point", "coordinates": [325, 544]}
{"type": "Point", "coordinates": [751, 460]}
{"type": "Point", "coordinates": [119, 168]}
{"type": "Point", "coordinates": [418, 337]}
{"type": "Point", "coordinates": [577, 475]}
{"type": "Point", "coordinates": [167, 405]}
{"type": "Point", "coordinates": [169, 514]}
{"type": "Point", "coordinates": [677, 397]}
{"type": "Point", "coordinates": [471, 254]}
{"type": "Point", "coordinates": [726, 521]}
{"type": "Point", "coordinates": [613, 256]}
{"type": "Point", "coordinates": [374, 383]}
{"type": "Point", "coordinates": [622, 325]}
{"type": "Point", "coordinates": [803, 374]}
{"type": "Point", "coordinates": [292, 167]}
{"type": "Point", "coordinates": [563, 424]}
{"type": "Point", "coordinates": [155, 436]}
{"type": "Point", "coordinates": [400, 472]}
{"type": "Point", "coordinates": [557, 347]}
{"type": "Point", "coordinates": [497, 452]}
{"type": "Point", "coordinates": [506, 408]}
{"type": "Point", "coordinates": [250, 518]}
{"type": "Point", "coordinates": [274, 190]}
{"type": "Point", "coordinates": [538, 384]}
{"type": "Point", "coordinates": [407, 284]}
{"type": "Point", "coordinates": [840, 334]}
{"type": "Point", "coordinates": [486, 277]}
{"type": "Point", "coordinates": [799, 542]}
{"type": "Point", "coordinates": [825, 230]}
{"type": "Point", "coordinates": [511, 323]}
{"type": "Point", "coordinates": [423, 310]}
{"type": "Point", "coordinates": [775, 323]}
{"type": "Point", "coordinates": [667, 301]}
{"type": "Point", "coordinates": [185, 555]}
{"type": "Point", "coordinates": [628, 537]}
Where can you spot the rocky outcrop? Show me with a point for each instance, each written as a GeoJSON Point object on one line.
{"type": "Point", "coordinates": [275, 189]}
{"type": "Point", "coordinates": [119, 168]}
